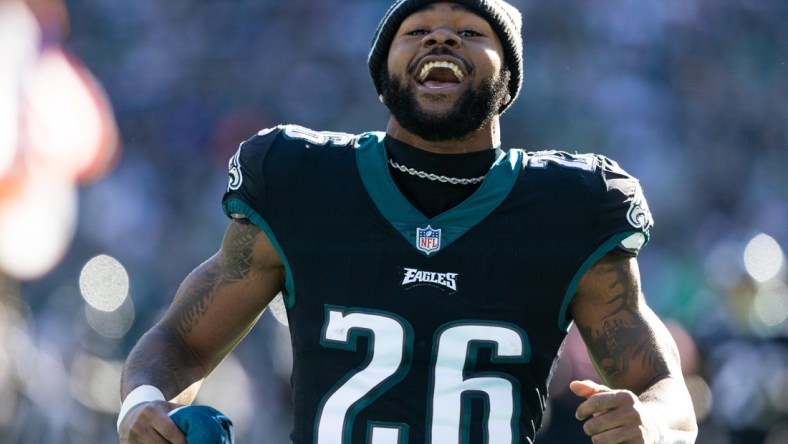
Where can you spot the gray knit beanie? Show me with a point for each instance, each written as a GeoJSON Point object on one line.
{"type": "Point", "coordinates": [504, 18]}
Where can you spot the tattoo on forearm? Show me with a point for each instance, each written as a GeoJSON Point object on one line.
{"type": "Point", "coordinates": [202, 290]}
{"type": "Point", "coordinates": [624, 336]}
{"type": "Point", "coordinates": [161, 365]}
{"type": "Point", "coordinates": [233, 264]}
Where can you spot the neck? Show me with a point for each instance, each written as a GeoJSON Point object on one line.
{"type": "Point", "coordinates": [485, 138]}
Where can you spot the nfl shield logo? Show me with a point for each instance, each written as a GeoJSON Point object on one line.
{"type": "Point", "coordinates": [428, 239]}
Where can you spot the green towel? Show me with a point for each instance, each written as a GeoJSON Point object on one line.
{"type": "Point", "coordinates": [203, 425]}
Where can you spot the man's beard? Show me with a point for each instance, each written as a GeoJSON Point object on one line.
{"type": "Point", "coordinates": [475, 108]}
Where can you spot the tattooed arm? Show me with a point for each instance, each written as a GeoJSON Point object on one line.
{"type": "Point", "coordinates": [644, 398]}
{"type": "Point", "coordinates": [214, 308]}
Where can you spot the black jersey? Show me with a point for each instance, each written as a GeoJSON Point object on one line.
{"type": "Point", "coordinates": [407, 329]}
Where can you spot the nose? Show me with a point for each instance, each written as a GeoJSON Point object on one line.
{"type": "Point", "coordinates": [442, 36]}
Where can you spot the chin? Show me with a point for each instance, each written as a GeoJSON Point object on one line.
{"type": "Point", "coordinates": [436, 111]}
{"type": "Point", "coordinates": [436, 116]}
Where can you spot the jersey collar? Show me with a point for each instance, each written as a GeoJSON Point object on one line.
{"type": "Point", "coordinates": [410, 222]}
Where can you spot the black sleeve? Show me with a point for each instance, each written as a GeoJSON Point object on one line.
{"type": "Point", "coordinates": [623, 208]}
{"type": "Point", "coordinates": [245, 196]}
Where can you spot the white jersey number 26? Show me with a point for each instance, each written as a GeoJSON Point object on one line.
{"type": "Point", "coordinates": [389, 346]}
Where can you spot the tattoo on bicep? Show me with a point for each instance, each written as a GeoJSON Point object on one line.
{"type": "Point", "coordinates": [624, 337]}
{"type": "Point", "coordinates": [238, 253]}
{"type": "Point", "coordinates": [233, 264]}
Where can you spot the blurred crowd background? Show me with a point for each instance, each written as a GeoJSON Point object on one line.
{"type": "Point", "coordinates": [117, 120]}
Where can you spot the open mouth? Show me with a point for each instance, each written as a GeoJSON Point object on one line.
{"type": "Point", "coordinates": [440, 74]}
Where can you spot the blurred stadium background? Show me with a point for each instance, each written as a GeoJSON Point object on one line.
{"type": "Point", "coordinates": [117, 119]}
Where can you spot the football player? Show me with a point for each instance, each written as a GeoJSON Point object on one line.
{"type": "Point", "coordinates": [430, 276]}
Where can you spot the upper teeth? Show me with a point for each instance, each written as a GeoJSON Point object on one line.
{"type": "Point", "coordinates": [425, 70]}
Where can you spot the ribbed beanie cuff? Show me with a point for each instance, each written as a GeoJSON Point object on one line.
{"type": "Point", "coordinates": [504, 18]}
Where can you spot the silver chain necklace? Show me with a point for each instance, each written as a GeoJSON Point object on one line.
{"type": "Point", "coordinates": [435, 177]}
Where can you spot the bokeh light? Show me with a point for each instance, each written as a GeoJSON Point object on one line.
{"type": "Point", "coordinates": [104, 283]}
{"type": "Point", "coordinates": [37, 223]}
{"type": "Point", "coordinates": [94, 382]}
{"type": "Point", "coordinates": [763, 257]}
{"type": "Point", "coordinates": [277, 308]}
{"type": "Point", "coordinates": [701, 395]}
{"type": "Point", "coordinates": [44, 378]}
{"type": "Point", "coordinates": [57, 130]}
{"type": "Point", "coordinates": [111, 324]}
{"type": "Point", "coordinates": [69, 124]}
{"type": "Point", "coordinates": [722, 264]}
{"type": "Point", "coordinates": [770, 307]}
{"type": "Point", "coordinates": [19, 40]}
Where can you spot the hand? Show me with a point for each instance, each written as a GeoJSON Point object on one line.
{"type": "Point", "coordinates": [614, 416]}
{"type": "Point", "coordinates": [149, 423]}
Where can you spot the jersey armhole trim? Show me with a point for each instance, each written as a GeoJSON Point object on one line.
{"type": "Point", "coordinates": [237, 206]}
{"type": "Point", "coordinates": [563, 323]}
